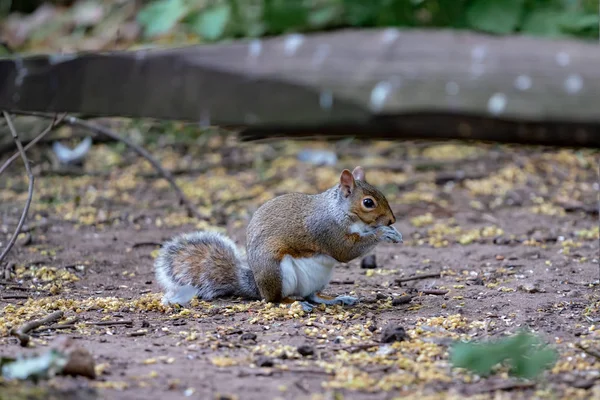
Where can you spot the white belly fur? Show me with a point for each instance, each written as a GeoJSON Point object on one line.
{"type": "Point", "coordinates": [304, 276]}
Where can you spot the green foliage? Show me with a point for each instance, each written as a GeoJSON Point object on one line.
{"type": "Point", "coordinates": [219, 19]}
{"type": "Point", "coordinates": [211, 22]}
{"type": "Point", "coordinates": [159, 17]}
{"type": "Point", "coordinates": [495, 16]}
{"type": "Point", "coordinates": [525, 354]}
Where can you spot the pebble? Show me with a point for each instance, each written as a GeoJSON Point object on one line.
{"type": "Point", "coordinates": [369, 262]}
{"type": "Point", "coordinates": [393, 333]}
{"type": "Point", "coordinates": [306, 350]}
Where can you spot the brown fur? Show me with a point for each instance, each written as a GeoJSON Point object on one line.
{"type": "Point", "coordinates": [300, 225]}
{"type": "Point", "coordinates": [203, 262]}
{"type": "Point", "coordinates": [381, 215]}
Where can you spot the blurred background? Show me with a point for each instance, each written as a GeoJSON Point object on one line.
{"type": "Point", "coordinates": [513, 229]}
{"type": "Point", "coordinates": [30, 25]}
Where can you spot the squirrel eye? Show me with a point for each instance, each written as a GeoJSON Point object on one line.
{"type": "Point", "coordinates": [369, 203]}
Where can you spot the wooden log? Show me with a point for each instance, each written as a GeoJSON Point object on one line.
{"type": "Point", "coordinates": [381, 83]}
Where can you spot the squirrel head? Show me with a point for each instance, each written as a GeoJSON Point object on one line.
{"type": "Point", "coordinates": [365, 201]}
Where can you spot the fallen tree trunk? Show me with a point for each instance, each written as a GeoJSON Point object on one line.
{"type": "Point", "coordinates": [376, 83]}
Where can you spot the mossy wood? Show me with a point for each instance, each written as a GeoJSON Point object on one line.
{"type": "Point", "coordinates": [380, 83]}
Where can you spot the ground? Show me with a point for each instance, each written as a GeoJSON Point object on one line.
{"type": "Point", "coordinates": [512, 231]}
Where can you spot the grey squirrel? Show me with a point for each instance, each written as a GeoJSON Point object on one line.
{"type": "Point", "coordinates": [293, 243]}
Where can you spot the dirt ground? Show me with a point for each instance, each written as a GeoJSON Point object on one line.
{"type": "Point", "coordinates": [512, 231]}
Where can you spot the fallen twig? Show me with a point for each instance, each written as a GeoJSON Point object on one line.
{"type": "Point", "coordinates": [55, 122]}
{"type": "Point", "coordinates": [111, 323]}
{"type": "Point", "coordinates": [417, 277]}
{"type": "Point", "coordinates": [300, 385]}
{"type": "Point", "coordinates": [31, 226]}
{"type": "Point", "coordinates": [73, 172]}
{"type": "Point", "coordinates": [15, 297]}
{"type": "Point", "coordinates": [8, 270]}
{"type": "Point", "coordinates": [572, 207]}
{"type": "Point", "coordinates": [346, 282]}
{"type": "Point", "coordinates": [21, 332]}
{"type": "Point", "coordinates": [72, 324]}
{"type": "Point", "coordinates": [435, 292]}
{"type": "Point", "coordinates": [305, 371]}
{"type": "Point", "coordinates": [65, 325]}
{"type": "Point", "coordinates": [15, 136]}
{"type": "Point", "coordinates": [192, 211]}
{"type": "Point", "coordinates": [61, 326]}
{"type": "Point", "coordinates": [376, 369]}
{"type": "Point", "coordinates": [141, 332]}
{"type": "Point", "coordinates": [140, 244]}
{"type": "Point", "coordinates": [358, 347]}
{"type": "Point", "coordinates": [24, 289]}
{"type": "Point", "coordinates": [98, 129]}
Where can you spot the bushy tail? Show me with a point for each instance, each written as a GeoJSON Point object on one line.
{"type": "Point", "coordinates": [206, 264]}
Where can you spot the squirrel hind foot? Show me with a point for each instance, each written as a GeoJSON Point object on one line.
{"type": "Point", "coordinates": [317, 298]}
{"type": "Point", "coordinates": [181, 295]}
{"type": "Point", "coordinates": [307, 306]}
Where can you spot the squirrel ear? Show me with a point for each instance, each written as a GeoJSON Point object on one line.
{"type": "Point", "coordinates": [346, 183]}
{"type": "Point", "coordinates": [359, 174]}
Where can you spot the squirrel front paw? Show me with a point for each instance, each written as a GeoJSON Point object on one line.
{"type": "Point", "coordinates": [390, 234]}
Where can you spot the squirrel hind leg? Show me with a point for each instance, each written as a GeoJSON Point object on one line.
{"type": "Point", "coordinates": [179, 295]}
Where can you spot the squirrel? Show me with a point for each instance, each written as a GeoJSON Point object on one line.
{"type": "Point", "coordinates": [293, 243]}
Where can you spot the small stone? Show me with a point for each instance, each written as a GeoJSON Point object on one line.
{"type": "Point", "coordinates": [531, 288]}
{"type": "Point", "coordinates": [393, 333]}
{"type": "Point", "coordinates": [145, 324]}
{"type": "Point", "coordinates": [477, 281]}
{"type": "Point", "coordinates": [381, 296]}
{"type": "Point", "coordinates": [306, 350]}
{"type": "Point", "coordinates": [248, 336]}
{"type": "Point", "coordinates": [369, 262]}
{"type": "Point", "coordinates": [80, 362]}
{"type": "Point", "coordinates": [401, 300]}
{"type": "Point", "coordinates": [264, 362]}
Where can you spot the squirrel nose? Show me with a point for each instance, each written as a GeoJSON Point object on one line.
{"type": "Point", "coordinates": [391, 221]}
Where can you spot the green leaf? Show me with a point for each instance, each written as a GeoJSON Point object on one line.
{"type": "Point", "coordinates": [284, 16]}
{"type": "Point", "coordinates": [543, 22]}
{"type": "Point", "coordinates": [211, 22]}
{"type": "Point", "coordinates": [524, 352]}
{"type": "Point", "coordinates": [579, 22]}
{"type": "Point", "coordinates": [472, 357]}
{"type": "Point", "coordinates": [493, 16]}
{"type": "Point", "coordinates": [41, 366]}
{"type": "Point", "coordinates": [159, 17]}
{"type": "Point", "coordinates": [324, 16]}
{"type": "Point", "coordinates": [361, 13]}
{"type": "Point", "coordinates": [530, 366]}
